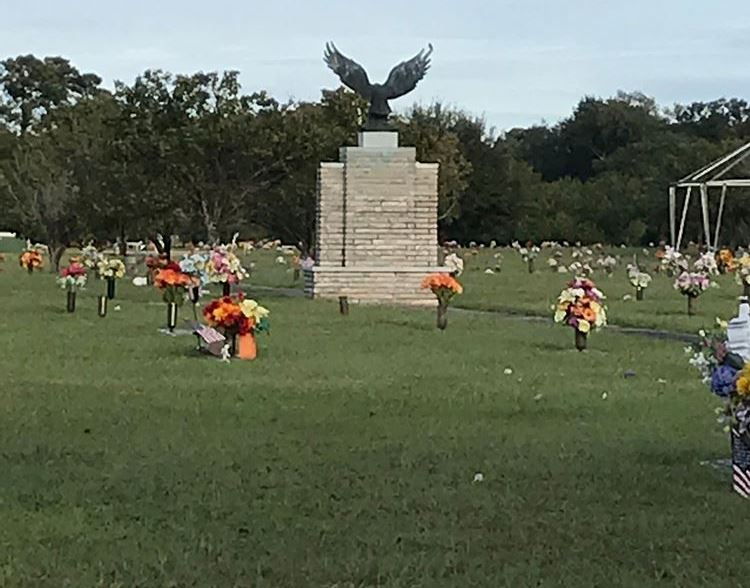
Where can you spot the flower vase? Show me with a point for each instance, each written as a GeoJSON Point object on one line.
{"type": "Point", "coordinates": [740, 463]}
{"type": "Point", "coordinates": [531, 266]}
{"type": "Point", "coordinates": [227, 289]}
{"type": "Point", "coordinates": [195, 294]}
{"type": "Point", "coordinates": [171, 316]}
{"type": "Point", "coordinates": [639, 293]}
{"type": "Point", "coordinates": [150, 277]}
{"type": "Point", "coordinates": [691, 305]}
{"type": "Point", "coordinates": [71, 306]}
{"type": "Point", "coordinates": [246, 347]}
{"type": "Point", "coordinates": [30, 269]}
{"type": "Point", "coordinates": [111, 288]}
{"type": "Point", "coordinates": [442, 316]}
{"type": "Point", "coordinates": [581, 340]}
{"type": "Point", "coordinates": [102, 308]}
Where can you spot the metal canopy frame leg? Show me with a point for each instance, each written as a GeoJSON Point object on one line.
{"type": "Point", "coordinates": [684, 217]}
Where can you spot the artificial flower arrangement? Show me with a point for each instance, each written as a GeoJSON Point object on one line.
{"type": "Point", "coordinates": [725, 261]}
{"type": "Point", "coordinates": [154, 262]}
{"type": "Point", "coordinates": [691, 285]}
{"type": "Point", "coordinates": [455, 264]}
{"type": "Point", "coordinates": [607, 263]}
{"type": "Point", "coordinates": [240, 319]}
{"type": "Point", "coordinates": [90, 256]}
{"type": "Point", "coordinates": [110, 270]}
{"type": "Point", "coordinates": [728, 376]}
{"type": "Point", "coordinates": [672, 261]}
{"type": "Point", "coordinates": [742, 272]}
{"type": "Point", "coordinates": [578, 268]}
{"type": "Point", "coordinates": [706, 264]}
{"type": "Point", "coordinates": [224, 267]}
{"type": "Point", "coordinates": [174, 284]}
{"type": "Point", "coordinates": [30, 260]}
{"type": "Point", "coordinates": [498, 257]}
{"type": "Point", "coordinates": [72, 279]}
{"type": "Point", "coordinates": [581, 307]}
{"type": "Point", "coordinates": [528, 254]}
{"type": "Point", "coordinates": [444, 287]}
{"type": "Point", "coordinates": [640, 280]}
{"type": "Point", "coordinates": [194, 265]}
{"type": "Point", "coordinates": [296, 266]}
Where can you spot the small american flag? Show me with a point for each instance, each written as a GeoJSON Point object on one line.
{"type": "Point", "coordinates": [740, 464]}
{"type": "Point", "coordinates": [209, 334]}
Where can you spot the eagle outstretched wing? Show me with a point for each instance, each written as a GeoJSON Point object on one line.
{"type": "Point", "coordinates": [405, 76]}
{"type": "Point", "coordinates": [352, 74]}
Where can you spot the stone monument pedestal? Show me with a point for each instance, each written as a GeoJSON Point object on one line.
{"type": "Point", "coordinates": [376, 233]}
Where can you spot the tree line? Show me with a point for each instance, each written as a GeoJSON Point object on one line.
{"type": "Point", "coordinates": [194, 155]}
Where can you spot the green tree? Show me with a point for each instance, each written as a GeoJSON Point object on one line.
{"type": "Point", "coordinates": [30, 88]}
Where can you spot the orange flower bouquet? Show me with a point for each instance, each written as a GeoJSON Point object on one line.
{"type": "Point", "coordinates": [725, 259]}
{"type": "Point", "coordinates": [174, 285]}
{"type": "Point", "coordinates": [444, 287]}
{"type": "Point", "coordinates": [30, 260]}
{"type": "Point", "coordinates": [240, 319]}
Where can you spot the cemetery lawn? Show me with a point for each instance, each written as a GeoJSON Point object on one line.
{"type": "Point", "coordinates": [345, 456]}
{"type": "Point", "coordinates": [516, 292]}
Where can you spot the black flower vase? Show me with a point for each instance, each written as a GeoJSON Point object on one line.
{"type": "Point", "coordinates": [171, 316]}
{"type": "Point", "coordinates": [71, 306]}
{"type": "Point", "coordinates": [111, 288]}
{"type": "Point", "coordinates": [581, 340]}
{"type": "Point", "coordinates": [442, 316]}
{"type": "Point", "coordinates": [102, 308]}
{"type": "Point", "coordinates": [195, 294]}
{"type": "Point", "coordinates": [639, 293]}
{"type": "Point", "coordinates": [227, 289]}
{"type": "Point", "coordinates": [691, 305]}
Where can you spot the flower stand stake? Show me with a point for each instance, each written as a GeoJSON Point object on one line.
{"type": "Point", "coordinates": [72, 278]}
{"type": "Point", "coordinates": [692, 285]}
{"type": "Point", "coordinates": [581, 307]}
{"type": "Point", "coordinates": [444, 287]}
{"type": "Point", "coordinates": [240, 319]}
{"type": "Point", "coordinates": [102, 307]}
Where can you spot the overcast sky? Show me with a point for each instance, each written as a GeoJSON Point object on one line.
{"type": "Point", "coordinates": [517, 62]}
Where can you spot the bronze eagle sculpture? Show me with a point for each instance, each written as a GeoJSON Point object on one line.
{"type": "Point", "coordinates": [402, 80]}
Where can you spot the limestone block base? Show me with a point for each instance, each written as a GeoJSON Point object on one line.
{"type": "Point", "coordinates": [372, 285]}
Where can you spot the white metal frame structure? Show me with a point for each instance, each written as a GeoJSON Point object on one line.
{"type": "Point", "coordinates": [714, 175]}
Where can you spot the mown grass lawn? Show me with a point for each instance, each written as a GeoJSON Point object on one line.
{"type": "Point", "coordinates": [345, 456]}
{"type": "Point", "coordinates": [514, 290]}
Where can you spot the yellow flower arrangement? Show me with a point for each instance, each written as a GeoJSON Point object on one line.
{"type": "Point", "coordinates": [743, 382]}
